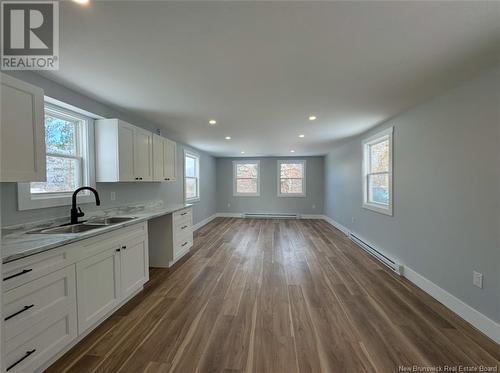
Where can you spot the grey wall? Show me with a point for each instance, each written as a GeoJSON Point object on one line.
{"type": "Point", "coordinates": [446, 191]}
{"type": "Point", "coordinates": [268, 201]}
{"type": "Point", "coordinates": [126, 193]}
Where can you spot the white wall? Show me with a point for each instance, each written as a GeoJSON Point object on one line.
{"type": "Point", "coordinates": [446, 219]}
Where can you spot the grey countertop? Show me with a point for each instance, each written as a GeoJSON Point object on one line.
{"type": "Point", "coordinates": [17, 243]}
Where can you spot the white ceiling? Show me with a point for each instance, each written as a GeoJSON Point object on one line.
{"type": "Point", "coordinates": [261, 68]}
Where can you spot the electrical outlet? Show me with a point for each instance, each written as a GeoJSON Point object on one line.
{"type": "Point", "coordinates": [477, 279]}
{"type": "Point", "coordinates": [112, 196]}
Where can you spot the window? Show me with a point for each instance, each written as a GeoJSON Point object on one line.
{"type": "Point", "coordinates": [191, 176]}
{"type": "Point", "coordinates": [377, 172]}
{"type": "Point", "coordinates": [292, 178]}
{"type": "Point", "coordinates": [69, 161]}
{"type": "Point", "coordinates": [246, 178]}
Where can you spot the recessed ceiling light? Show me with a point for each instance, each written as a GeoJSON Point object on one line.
{"type": "Point", "coordinates": [228, 137]}
{"type": "Point", "coordinates": [242, 152]}
{"type": "Point", "coordinates": [292, 151]}
{"type": "Point", "coordinates": [212, 122]}
{"type": "Point", "coordinates": [302, 136]}
{"type": "Point", "coordinates": [82, 2]}
{"type": "Point", "coordinates": [312, 117]}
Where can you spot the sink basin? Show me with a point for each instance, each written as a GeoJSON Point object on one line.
{"type": "Point", "coordinates": [76, 228]}
{"type": "Point", "coordinates": [110, 221]}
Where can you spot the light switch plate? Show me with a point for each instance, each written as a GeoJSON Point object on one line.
{"type": "Point", "coordinates": [477, 279]}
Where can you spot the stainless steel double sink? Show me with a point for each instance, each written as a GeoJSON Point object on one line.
{"type": "Point", "coordinates": [84, 227]}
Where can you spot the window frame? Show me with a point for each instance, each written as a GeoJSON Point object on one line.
{"type": "Point", "coordinates": [387, 134]}
{"type": "Point", "coordinates": [196, 156]}
{"type": "Point", "coordinates": [304, 177]}
{"type": "Point", "coordinates": [85, 148]}
{"type": "Point", "coordinates": [235, 178]}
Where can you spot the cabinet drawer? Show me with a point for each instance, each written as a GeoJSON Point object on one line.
{"type": "Point", "coordinates": [180, 247]}
{"type": "Point", "coordinates": [182, 214]}
{"type": "Point", "coordinates": [27, 269]}
{"type": "Point", "coordinates": [182, 221]}
{"type": "Point", "coordinates": [27, 351]}
{"type": "Point", "coordinates": [31, 303]}
{"type": "Point", "coordinates": [182, 229]}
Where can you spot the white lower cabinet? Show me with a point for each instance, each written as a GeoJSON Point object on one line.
{"type": "Point", "coordinates": [171, 237]}
{"type": "Point", "coordinates": [134, 265]}
{"type": "Point", "coordinates": [98, 287]}
{"type": "Point", "coordinates": [105, 279]}
{"type": "Point", "coordinates": [49, 307]}
{"type": "Point", "coordinates": [40, 319]}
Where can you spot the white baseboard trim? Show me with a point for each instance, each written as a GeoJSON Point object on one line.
{"type": "Point", "coordinates": [311, 216]}
{"type": "Point", "coordinates": [337, 225]}
{"type": "Point", "coordinates": [229, 215]}
{"type": "Point", "coordinates": [466, 312]}
{"type": "Point", "coordinates": [204, 222]}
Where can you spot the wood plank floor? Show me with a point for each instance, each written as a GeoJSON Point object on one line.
{"type": "Point", "coordinates": [278, 296]}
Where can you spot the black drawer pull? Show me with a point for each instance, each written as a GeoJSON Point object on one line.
{"type": "Point", "coordinates": [18, 274]}
{"type": "Point", "coordinates": [26, 355]}
{"type": "Point", "coordinates": [20, 311]}
{"type": "Point", "coordinates": [124, 247]}
{"type": "Point", "coordinates": [184, 227]}
{"type": "Point", "coordinates": [184, 213]}
{"type": "Point", "coordinates": [117, 250]}
{"type": "Point", "coordinates": [184, 244]}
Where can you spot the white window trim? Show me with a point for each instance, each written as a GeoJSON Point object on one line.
{"type": "Point", "coordinates": [304, 178]}
{"type": "Point", "coordinates": [235, 192]}
{"type": "Point", "coordinates": [386, 134]}
{"type": "Point", "coordinates": [196, 155]}
{"type": "Point", "coordinates": [27, 201]}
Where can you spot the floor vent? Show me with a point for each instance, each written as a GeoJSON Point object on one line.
{"type": "Point", "coordinates": [271, 216]}
{"type": "Point", "coordinates": [392, 264]}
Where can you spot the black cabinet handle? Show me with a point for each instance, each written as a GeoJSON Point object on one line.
{"type": "Point", "coordinates": [184, 213]}
{"type": "Point", "coordinates": [140, 178]}
{"type": "Point", "coordinates": [26, 355]}
{"type": "Point", "coordinates": [117, 250]}
{"type": "Point", "coordinates": [167, 179]}
{"type": "Point", "coordinates": [18, 274]}
{"type": "Point", "coordinates": [184, 244]}
{"type": "Point", "coordinates": [137, 178]}
{"type": "Point", "coordinates": [20, 311]}
{"type": "Point", "coordinates": [184, 227]}
{"type": "Point", "coordinates": [124, 247]}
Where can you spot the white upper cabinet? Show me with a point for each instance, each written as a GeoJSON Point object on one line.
{"type": "Point", "coordinates": [22, 131]}
{"type": "Point", "coordinates": [123, 152]}
{"type": "Point", "coordinates": [143, 154]}
{"type": "Point", "coordinates": [164, 159]}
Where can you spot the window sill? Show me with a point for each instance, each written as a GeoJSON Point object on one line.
{"type": "Point", "coordinates": [246, 195]}
{"type": "Point", "coordinates": [193, 200]}
{"type": "Point", "coordinates": [292, 195]}
{"type": "Point", "coordinates": [381, 210]}
{"type": "Point", "coordinates": [25, 201]}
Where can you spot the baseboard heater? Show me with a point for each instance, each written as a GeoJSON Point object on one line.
{"type": "Point", "coordinates": [271, 216]}
{"type": "Point", "coordinates": [392, 264]}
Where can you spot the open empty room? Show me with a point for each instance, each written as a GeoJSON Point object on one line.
{"type": "Point", "coordinates": [249, 186]}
